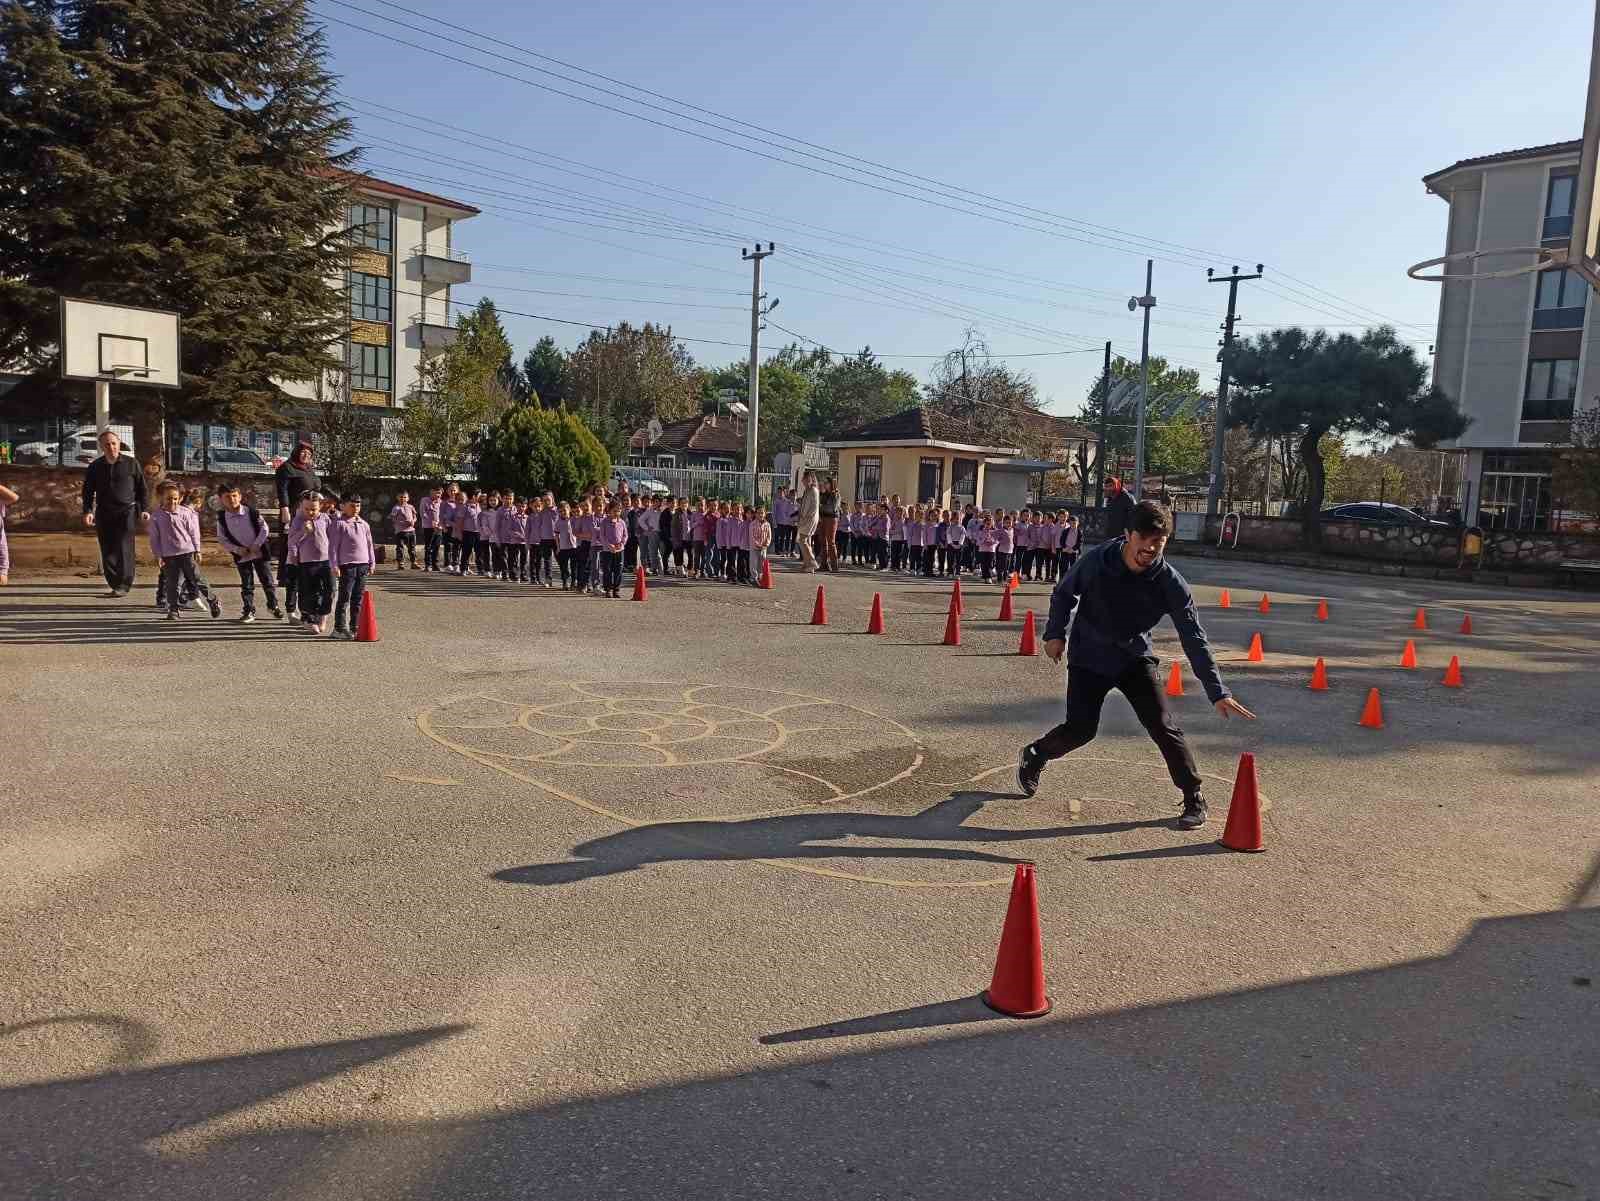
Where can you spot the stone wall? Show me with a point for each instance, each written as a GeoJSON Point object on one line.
{"type": "Point", "coordinates": [1436, 546]}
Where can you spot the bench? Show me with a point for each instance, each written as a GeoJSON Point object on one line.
{"type": "Point", "coordinates": [1573, 568]}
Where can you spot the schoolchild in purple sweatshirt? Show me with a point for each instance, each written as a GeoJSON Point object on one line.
{"type": "Point", "coordinates": [175, 541]}
{"type": "Point", "coordinates": [403, 524]}
{"type": "Point", "coordinates": [432, 535]}
{"type": "Point", "coordinates": [309, 539]}
{"type": "Point", "coordinates": [243, 534]}
{"type": "Point", "coordinates": [351, 558]}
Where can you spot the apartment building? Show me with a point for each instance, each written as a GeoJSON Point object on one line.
{"type": "Point", "coordinates": [401, 271]}
{"type": "Point", "coordinates": [1515, 353]}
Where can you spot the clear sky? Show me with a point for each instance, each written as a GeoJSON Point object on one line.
{"type": "Point", "coordinates": [1204, 134]}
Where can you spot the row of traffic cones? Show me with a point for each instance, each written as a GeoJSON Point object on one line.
{"type": "Point", "coordinates": [1029, 644]}
{"type": "Point", "coordinates": [1418, 622]}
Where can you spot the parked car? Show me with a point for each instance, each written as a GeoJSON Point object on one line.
{"type": "Point", "coordinates": [240, 460]}
{"type": "Point", "coordinates": [641, 483]}
{"type": "Point", "coordinates": [1377, 512]}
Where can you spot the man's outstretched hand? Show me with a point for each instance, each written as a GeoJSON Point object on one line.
{"type": "Point", "coordinates": [1054, 648]}
{"type": "Point", "coordinates": [1227, 707]}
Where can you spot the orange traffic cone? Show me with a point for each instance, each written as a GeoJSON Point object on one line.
{"type": "Point", "coordinates": [819, 611]}
{"type": "Point", "coordinates": [1452, 674]}
{"type": "Point", "coordinates": [1466, 624]}
{"type": "Point", "coordinates": [1408, 657]}
{"type": "Point", "coordinates": [1225, 601]}
{"type": "Point", "coordinates": [1322, 610]}
{"type": "Point", "coordinates": [1372, 712]}
{"type": "Point", "coordinates": [952, 625]}
{"type": "Point", "coordinates": [1017, 987]}
{"type": "Point", "coordinates": [1254, 655]}
{"type": "Point", "coordinates": [875, 622]}
{"type": "Point", "coordinates": [766, 573]}
{"type": "Point", "coordinates": [1016, 580]}
{"type": "Point", "coordinates": [1266, 603]}
{"type": "Point", "coordinates": [1027, 646]}
{"type": "Point", "coordinates": [955, 598]}
{"type": "Point", "coordinates": [1420, 622]}
{"type": "Point", "coordinates": [1005, 605]}
{"type": "Point", "coordinates": [367, 624]}
{"type": "Point", "coordinates": [640, 590]}
{"type": "Point", "coordinates": [1243, 831]}
{"type": "Point", "coordinates": [1175, 680]}
{"type": "Point", "coordinates": [1319, 677]}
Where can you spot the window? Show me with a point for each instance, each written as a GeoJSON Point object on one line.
{"type": "Point", "coordinates": [869, 477]}
{"type": "Point", "coordinates": [1558, 206]}
{"type": "Point", "coordinates": [964, 481]}
{"type": "Point", "coordinates": [371, 297]}
{"type": "Point", "coordinates": [720, 464]}
{"type": "Point", "coordinates": [372, 225]}
{"type": "Point", "coordinates": [666, 461]}
{"type": "Point", "coordinates": [1559, 299]}
{"type": "Point", "coordinates": [369, 367]}
{"type": "Point", "coordinates": [1517, 497]}
{"type": "Point", "coordinates": [1552, 385]}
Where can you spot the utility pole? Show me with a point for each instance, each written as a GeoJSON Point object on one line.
{"type": "Point", "coordinates": [1145, 302]}
{"type": "Point", "coordinates": [1100, 456]}
{"type": "Point", "coordinates": [757, 312]}
{"type": "Point", "coordinates": [1214, 491]}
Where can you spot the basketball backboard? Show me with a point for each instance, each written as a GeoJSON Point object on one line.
{"type": "Point", "coordinates": [1583, 253]}
{"type": "Point", "coordinates": [104, 342]}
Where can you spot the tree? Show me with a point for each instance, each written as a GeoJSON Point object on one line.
{"type": "Point", "coordinates": [532, 450]}
{"type": "Point", "coordinates": [179, 156]}
{"type": "Point", "coordinates": [461, 394]}
{"type": "Point", "coordinates": [991, 397]}
{"type": "Point", "coordinates": [545, 374]}
{"type": "Point", "coordinates": [1178, 445]}
{"type": "Point", "coordinates": [1305, 385]}
{"type": "Point", "coordinates": [1171, 390]}
{"type": "Point", "coordinates": [785, 401]}
{"type": "Point", "coordinates": [858, 389]}
{"type": "Point", "coordinates": [1576, 481]}
{"type": "Point", "coordinates": [347, 436]}
{"type": "Point", "coordinates": [626, 375]}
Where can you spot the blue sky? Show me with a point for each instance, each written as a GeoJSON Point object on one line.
{"type": "Point", "coordinates": [1290, 135]}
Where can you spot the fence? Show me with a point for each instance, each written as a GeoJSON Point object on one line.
{"type": "Point", "coordinates": [700, 481]}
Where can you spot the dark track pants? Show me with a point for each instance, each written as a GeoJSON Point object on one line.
{"type": "Point", "coordinates": [1086, 695]}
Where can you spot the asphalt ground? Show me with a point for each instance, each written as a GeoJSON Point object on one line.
{"type": "Point", "coordinates": [552, 897]}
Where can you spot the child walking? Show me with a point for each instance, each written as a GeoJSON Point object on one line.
{"type": "Point", "coordinates": [243, 534]}
{"type": "Point", "coordinates": [309, 536]}
{"type": "Point", "coordinates": [351, 559]}
{"type": "Point", "coordinates": [7, 499]}
{"type": "Point", "coordinates": [175, 541]}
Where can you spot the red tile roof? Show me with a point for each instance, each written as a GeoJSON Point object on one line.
{"type": "Point", "coordinates": [1549, 150]}
{"type": "Point", "coordinates": [383, 187]}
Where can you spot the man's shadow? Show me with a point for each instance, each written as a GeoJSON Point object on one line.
{"type": "Point", "coordinates": [797, 836]}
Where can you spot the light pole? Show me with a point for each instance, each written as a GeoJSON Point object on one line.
{"type": "Point", "coordinates": [757, 312]}
{"type": "Point", "coordinates": [1145, 302]}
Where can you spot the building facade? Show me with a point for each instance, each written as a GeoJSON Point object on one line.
{"type": "Point", "coordinates": [1516, 354]}
{"type": "Point", "coordinates": [921, 455]}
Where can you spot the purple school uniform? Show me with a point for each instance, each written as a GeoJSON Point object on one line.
{"type": "Point", "coordinates": [350, 543]}
{"type": "Point", "coordinates": [565, 539]}
{"type": "Point", "coordinates": [489, 524]}
{"type": "Point", "coordinates": [583, 527]}
{"type": "Point", "coordinates": [240, 536]}
{"type": "Point", "coordinates": [311, 539]}
{"type": "Point", "coordinates": [174, 533]}
{"type": "Point", "coordinates": [5, 553]}
{"type": "Point", "coordinates": [613, 532]}
{"type": "Point", "coordinates": [513, 527]}
{"type": "Point", "coordinates": [543, 525]}
{"type": "Point", "coordinates": [430, 512]}
{"type": "Point", "coordinates": [987, 539]}
{"type": "Point", "coordinates": [1005, 540]}
{"type": "Point", "coordinates": [402, 519]}
{"type": "Point", "coordinates": [897, 528]}
{"type": "Point", "coordinates": [447, 515]}
{"type": "Point", "coordinates": [955, 534]}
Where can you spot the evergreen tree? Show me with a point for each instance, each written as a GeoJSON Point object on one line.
{"type": "Point", "coordinates": [176, 154]}
{"type": "Point", "coordinates": [531, 450]}
{"type": "Point", "coordinates": [546, 375]}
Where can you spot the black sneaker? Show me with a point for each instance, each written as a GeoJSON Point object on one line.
{"type": "Point", "coordinates": [1029, 765]}
{"type": "Point", "coordinates": [215, 607]}
{"type": "Point", "coordinates": [1194, 812]}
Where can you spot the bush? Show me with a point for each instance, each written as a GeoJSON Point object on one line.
{"type": "Point", "coordinates": [532, 450]}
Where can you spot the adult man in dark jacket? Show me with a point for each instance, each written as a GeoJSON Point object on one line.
{"type": "Point", "coordinates": [1119, 508]}
{"type": "Point", "coordinates": [1121, 590]}
{"type": "Point", "coordinates": [113, 493]}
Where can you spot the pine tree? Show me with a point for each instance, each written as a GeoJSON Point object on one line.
{"type": "Point", "coordinates": [177, 154]}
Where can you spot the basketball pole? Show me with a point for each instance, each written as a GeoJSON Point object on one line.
{"type": "Point", "coordinates": [102, 406]}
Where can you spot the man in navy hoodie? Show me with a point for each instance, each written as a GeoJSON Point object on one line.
{"type": "Point", "coordinates": [1120, 591]}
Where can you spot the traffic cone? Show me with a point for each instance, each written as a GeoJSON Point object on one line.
{"type": "Point", "coordinates": [1466, 624]}
{"type": "Point", "coordinates": [1225, 601]}
{"type": "Point", "coordinates": [1027, 646]}
{"type": "Point", "coordinates": [1452, 674]}
{"type": "Point", "coordinates": [1420, 622]}
{"type": "Point", "coordinates": [367, 625]}
{"type": "Point", "coordinates": [819, 611]}
{"type": "Point", "coordinates": [1319, 677]}
{"type": "Point", "coordinates": [1372, 712]}
{"type": "Point", "coordinates": [1322, 610]}
{"type": "Point", "coordinates": [1243, 831]}
{"type": "Point", "coordinates": [955, 598]}
{"type": "Point", "coordinates": [952, 625]}
{"type": "Point", "coordinates": [1017, 987]}
{"type": "Point", "coordinates": [766, 573]}
{"type": "Point", "coordinates": [1408, 657]}
{"type": "Point", "coordinates": [1016, 580]}
{"type": "Point", "coordinates": [1005, 605]}
{"type": "Point", "coordinates": [1266, 603]}
{"type": "Point", "coordinates": [1175, 680]}
{"type": "Point", "coordinates": [875, 622]}
{"type": "Point", "coordinates": [641, 591]}
{"type": "Point", "coordinates": [1254, 655]}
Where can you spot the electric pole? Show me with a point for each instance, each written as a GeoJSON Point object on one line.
{"type": "Point", "coordinates": [757, 312]}
{"type": "Point", "coordinates": [1145, 302]}
{"type": "Point", "coordinates": [1214, 491]}
{"type": "Point", "coordinates": [1101, 451]}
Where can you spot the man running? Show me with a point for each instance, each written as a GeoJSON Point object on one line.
{"type": "Point", "coordinates": [1121, 591]}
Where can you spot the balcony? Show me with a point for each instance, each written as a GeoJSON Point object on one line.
{"type": "Point", "coordinates": [430, 331]}
{"type": "Point", "coordinates": [436, 265]}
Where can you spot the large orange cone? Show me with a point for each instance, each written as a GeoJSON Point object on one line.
{"type": "Point", "coordinates": [1017, 988]}
{"type": "Point", "coordinates": [766, 573]}
{"type": "Point", "coordinates": [875, 622]}
{"type": "Point", "coordinates": [1466, 624]}
{"type": "Point", "coordinates": [1452, 674]}
{"type": "Point", "coordinates": [1254, 655]}
{"type": "Point", "coordinates": [955, 598]}
{"type": "Point", "coordinates": [1266, 603]}
{"type": "Point", "coordinates": [1322, 610]}
{"type": "Point", "coordinates": [1408, 657]}
{"type": "Point", "coordinates": [1016, 580]}
{"type": "Point", "coordinates": [1005, 605]}
{"type": "Point", "coordinates": [1319, 677]}
{"type": "Point", "coordinates": [1372, 712]}
{"type": "Point", "coordinates": [819, 611]}
{"type": "Point", "coordinates": [952, 625]}
{"type": "Point", "coordinates": [1243, 831]}
{"type": "Point", "coordinates": [1175, 680]}
{"type": "Point", "coordinates": [367, 624]}
{"type": "Point", "coordinates": [1225, 601]}
{"type": "Point", "coordinates": [1420, 622]}
{"type": "Point", "coordinates": [1027, 646]}
{"type": "Point", "coordinates": [640, 590]}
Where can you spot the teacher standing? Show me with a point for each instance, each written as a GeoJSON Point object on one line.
{"type": "Point", "coordinates": [295, 477]}
{"type": "Point", "coordinates": [114, 501]}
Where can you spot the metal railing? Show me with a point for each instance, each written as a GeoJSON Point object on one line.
{"type": "Point", "coordinates": [439, 252]}
{"type": "Point", "coordinates": [691, 482]}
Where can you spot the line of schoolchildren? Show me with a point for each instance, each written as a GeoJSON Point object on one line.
{"type": "Point", "coordinates": [927, 541]}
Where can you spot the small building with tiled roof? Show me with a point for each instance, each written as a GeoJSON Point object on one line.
{"type": "Point", "coordinates": [920, 455]}
{"type": "Point", "coordinates": [706, 441]}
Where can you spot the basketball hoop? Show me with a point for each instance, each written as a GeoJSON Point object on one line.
{"type": "Point", "coordinates": [1546, 256]}
{"type": "Point", "coordinates": [118, 370]}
